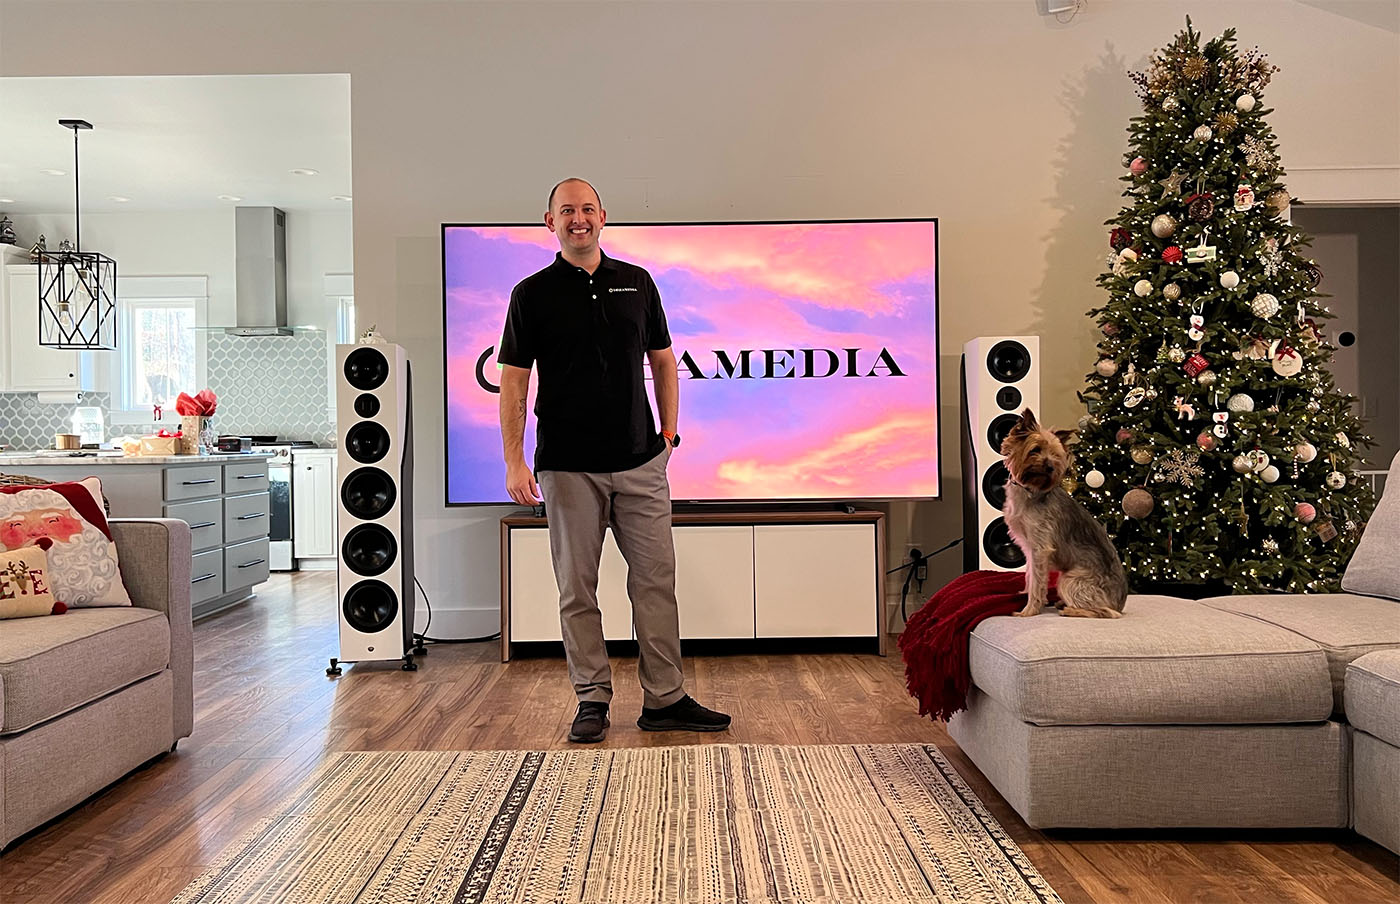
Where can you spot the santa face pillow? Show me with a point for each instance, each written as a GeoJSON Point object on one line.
{"type": "Point", "coordinates": [82, 557]}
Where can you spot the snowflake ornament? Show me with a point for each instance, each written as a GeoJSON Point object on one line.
{"type": "Point", "coordinates": [1270, 547]}
{"type": "Point", "coordinates": [1180, 466]}
{"type": "Point", "coordinates": [1271, 257]}
{"type": "Point", "coordinates": [1257, 155]}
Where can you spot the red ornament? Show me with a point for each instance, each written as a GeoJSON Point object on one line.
{"type": "Point", "coordinates": [1119, 239]}
{"type": "Point", "coordinates": [1195, 364]}
{"type": "Point", "coordinates": [1305, 512]}
{"type": "Point", "coordinates": [1205, 441]}
{"type": "Point", "coordinates": [1172, 254]}
{"type": "Point", "coordinates": [1110, 328]}
{"type": "Point", "coordinates": [1124, 436]}
{"type": "Point", "coordinates": [1138, 166]}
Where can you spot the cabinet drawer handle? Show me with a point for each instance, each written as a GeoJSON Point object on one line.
{"type": "Point", "coordinates": [251, 476]}
{"type": "Point", "coordinates": [251, 515]}
{"type": "Point", "coordinates": [203, 524]}
{"type": "Point", "coordinates": [204, 577]}
{"type": "Point", "coordinates": [252, 563]}
{"type": "Point", "coordinates": [194, 483]}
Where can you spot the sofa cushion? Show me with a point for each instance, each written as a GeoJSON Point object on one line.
{"type": "Point", "coordinates": [1374, 568]}
{"type": "Point", "coordinates": [24, 583]}
{"type": "Point", "coordinates": [49, 666]}
{"type": "Point", "coordinates": [1166, 661]}
{"type": "Point", "coordinates": [1373, 695]}
{"type": "Point", "coordinates": [1345, 625]}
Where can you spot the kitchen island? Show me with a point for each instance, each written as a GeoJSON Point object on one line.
{"type": "Point", "coordinates": [223, 497]}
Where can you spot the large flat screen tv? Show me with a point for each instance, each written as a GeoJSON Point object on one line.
{"type": "Point", "coordinates": [807, 351]}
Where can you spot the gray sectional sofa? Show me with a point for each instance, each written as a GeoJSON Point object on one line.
{"type": "Point", "coordinates": [1239, 711]}
{"type": "Point", "coordinates": [87, 696]}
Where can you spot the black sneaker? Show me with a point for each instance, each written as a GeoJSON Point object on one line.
{"type": "Point", "coordinates": [590, 724]}
{"type": "Point", "coordinates": [683, 715]}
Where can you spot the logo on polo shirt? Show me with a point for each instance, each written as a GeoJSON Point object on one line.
{"type": "Point", "coordinates": [624, 289]}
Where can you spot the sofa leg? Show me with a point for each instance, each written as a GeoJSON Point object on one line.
{"type": "Point", "coordinates": [174, 745]}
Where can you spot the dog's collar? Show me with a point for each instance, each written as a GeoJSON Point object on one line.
{"type": "Point", "coordinates": [1033, 492]}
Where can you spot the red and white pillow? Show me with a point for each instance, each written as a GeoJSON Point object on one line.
{"type": "Point", "coordinates": [82, 560]}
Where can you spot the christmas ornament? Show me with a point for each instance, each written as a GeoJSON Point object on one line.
{"type": "Point", "coordinates": [1135, 397]}
{"type": "Point", "coordinates": [1130, 376]}
{"type": "Point", "coordinates": [1202, 133]}
{"type": "Point", "coordinates": [1256, 349]}
{"type": "Point", "coordinates": [1138, 166]}
{"type": "Point", "coordinates": [1087, 422]}
{"type": "Point", "coordinates": [1106, 367]}
{"type": "Point", "coordinates": [1171, 291]}
{"type": "Point", "coordinates": [1119, 238]}
{"type": "Point", "coordinates": [1264, 306]}
{"type": "Point", "coordinates": [1244, 103]}
{"type": "Point", "coordinates": [1269, 474]}
{"type": "Point", "coordinates": [1128, 255]}
{"type": "Point", "coordinates": [1110, 328]}
{"type": "Point", "coordinates": [1123, 436]}
{"type": "Point", "coordinates": [1170, 104]}
{"type": "Point", "coordinates": [1257, 155]}
{"type": "Point", "coordinates": [1314, 405]}
{"type": "Point", "coordinates": [1270, 547]}
{"type": "Point", "coordinates": [1314, 273]}
{"type": "Point", "coordinates": [1200, 207]}
{"type": "Point", "coordinates": [1277, 202]}
{"type": "Point", "coordinates": [1202, 252]}
{"type": "Point", "coordinates": [1172, 184]}
{"type": "Point", "coordinates": [1180, 466]}
{"type": "Point", "coordinates": [1195, 364]}
{"type": "Point", "coordinates": [1142, 288]}
{"type": "Point", "coordinates": [1138, 503]}
{"type": "Point", "coordinates": [1068, 483]}
{"type": "Point", "coordinates": [1305, 452]}
{"type": "Point", "coordinates": [1195, 330]}
{"type": "Point", "coordinates": [1094, 479]}
{"type": "Point", "coordinates": [1226, 123]}
{"type": "Point", "coordinates": [1141, 455]}
{"type": "Point", "coordinates": [1349, 527]}
{"type": "Point", "coordinates": [1222, 423]}
{"type": "Point", "coordinates": [1244, 198]}
{"type": "Point", "coordinates": [1184, 409]}
{"type": "Point", "coordinates": [1206, 441]}
{"type": "Point", "coordinates": [1206, 378]}
{"type": "Point", "coordinates": [1271, 257]}
{"type": "Point", "coordinates": [1325, 531]}
{"type": "Point", "coordinates": [1336, 480]}
{"type": "Point", "coordinates": [1343, 440]}
{"type": "Point", "coordinates": [1163, 225]}
{"type": "Point", "coordinates": [1304, 512]}
{"type": "Point", "coordinates": [1229, 279]}
{"type": "Point", "coordinates": [1172, 254]}
{"type": "Point", "coordinates": [1176, 354]}
{"type": "Point", "coordinates": [1286, 362]}
{"type": "Point", "coordinates": [1195, 67]}
{"type": "Point", "coordinates": [1258, 460]}
{"type": "Point", "coordinates": [1241, 464]}
{"type": "Point", "coordinates": [1240, 403]}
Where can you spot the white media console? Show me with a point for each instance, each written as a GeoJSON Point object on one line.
{"type": "Point", "coordinates": [752, 575]}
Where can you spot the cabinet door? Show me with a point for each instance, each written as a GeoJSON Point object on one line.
{"type": "Point", "coordinates": [313, 506]}
{"type": "Point", "coordinates": [714, 581]}
{"type": "Point", "coordinates": [815, 580]}
{"type": "Point", "coordinates": [31, 367]}
{"type": "Point", "coordinates": [534, 595]}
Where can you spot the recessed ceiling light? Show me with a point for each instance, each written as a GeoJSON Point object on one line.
{"type": "Point", "coordinates": [304, 172]}
{"type": "Point", "coordinates": [229, 198]}
{"type": "Point", "coordinates": [118, 198]}
{"type": "Point", "coordinates": [54, 172]}
{"type": "Point", "coordinates": [7, 200]}
{"type": "Point", "coordinates": [340, 197]}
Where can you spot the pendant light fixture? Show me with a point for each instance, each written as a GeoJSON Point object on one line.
{"type": "Point", "coordinates": [77, 288]}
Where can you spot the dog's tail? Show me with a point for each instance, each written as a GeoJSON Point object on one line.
{"type": "Point", "coordinates": [1093, 612]}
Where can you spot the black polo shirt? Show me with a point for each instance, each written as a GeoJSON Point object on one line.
{"type": "Point", "coordinates": [588, 336]}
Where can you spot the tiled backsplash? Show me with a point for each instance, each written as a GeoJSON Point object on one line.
{"type": "Point", "coordinates": [278, 385]}
{"type": "Point", "coordinates": [25, 423]}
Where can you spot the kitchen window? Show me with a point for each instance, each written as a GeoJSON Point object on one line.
{"type": "Point", "coordinates": [159, 346]}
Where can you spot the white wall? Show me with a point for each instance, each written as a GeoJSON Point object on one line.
{"type": "Point", "coordinates": [1004, 123]}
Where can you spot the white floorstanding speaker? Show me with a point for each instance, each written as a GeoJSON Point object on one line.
{"type": "Point", "coordinates": [1000, 377]}
{"type": "Point", "coordinates": [374, 524]}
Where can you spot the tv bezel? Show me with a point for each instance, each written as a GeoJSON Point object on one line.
{"type": "Point", "coordinates": [792, 502]}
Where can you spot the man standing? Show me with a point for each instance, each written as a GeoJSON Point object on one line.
{"type": "Point", "coordinates": [586, 321]}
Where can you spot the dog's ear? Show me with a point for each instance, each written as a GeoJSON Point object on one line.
{"type": "Point", "coordinates": [1028, 422]}
{"type": "Point", "coordinates": [1064, 436]}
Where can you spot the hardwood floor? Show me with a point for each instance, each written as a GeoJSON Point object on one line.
{"type": "Point", "coordinates": [265, 716]}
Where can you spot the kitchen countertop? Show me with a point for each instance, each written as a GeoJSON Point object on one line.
{"type": "Point", "coordinates": [48, 458]}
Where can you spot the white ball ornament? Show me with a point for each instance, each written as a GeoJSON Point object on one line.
{"type": "Point", "coordinates": [1269, 474]}
{"type": "Point", "coordinates": [1305, 452]}
{"type": "Point", "coordinates": [1336, 480]}
{"type": "Point", "coordinates": [1240, 403]}
{"type": "Point", "coordinates": [1245, 103]}
{"type": "Point", "coordinates": [1171, 291]}
{"type": "Point", "coordinates": [1229, 279]}
{"type": "Point", "coordinates": [1171, 104]}
{"type": "Point", "coordinates": [1206, 377]}
{"type": "Point", "coordinates": [1176, 354]}
{"type": "Point", "coordinates": [1202, 133]}
{"type": "Point", "coordinates": [1163, 225]}
{"type": "Point", "coordinates": [1094, 479]}
{"type": "Point", "coordinates": [1142, 288]}
{"type": "Point", "coordinates": [1264, 305]}
{"type": "Point", "coordinates": [1106, 367]}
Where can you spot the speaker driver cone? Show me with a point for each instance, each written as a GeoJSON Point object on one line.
{"type": "Point", "coordinates": [367, 405]}
{"type": "Point", "coordinates": [994, 484]}
{"type": "Point", "coordinates": [1009, 361]}
{"type": "Point", "coordinates": [999, 546]}
{"type": "Point", "coordinates": [370, 606]}
{"type": "Point", "coordinates": [998, 429]}
{"type": "Point", "coordinates": [368, 493]}
{"type": "Point", "coordinates": [369, 549]}
{"type": "Point", "coordinates": [367, 442]}
{"type": "Point", "coordinates": [366, 368]}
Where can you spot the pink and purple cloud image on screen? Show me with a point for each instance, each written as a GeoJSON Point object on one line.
{"type": "Point", "coordinates": [808, 354]}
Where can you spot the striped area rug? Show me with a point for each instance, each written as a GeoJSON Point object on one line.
{"type": "Point", "coordinates": [700, 825]}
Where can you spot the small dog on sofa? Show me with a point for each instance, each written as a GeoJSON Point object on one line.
{"type": "Point", "coordinates": [1055, 532]}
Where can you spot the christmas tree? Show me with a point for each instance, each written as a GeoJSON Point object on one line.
{"type": "Point", "coordinates": [1216, 447]}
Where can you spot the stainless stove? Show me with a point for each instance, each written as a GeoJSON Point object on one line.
{"type": "Point", "coordinates": [279, 479]}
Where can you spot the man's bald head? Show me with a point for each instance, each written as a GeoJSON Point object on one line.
{"type": "Point", "coordinates": [555, 189]}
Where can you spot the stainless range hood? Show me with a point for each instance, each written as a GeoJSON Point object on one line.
{"type": "Point", "coordinates": [260, 243]}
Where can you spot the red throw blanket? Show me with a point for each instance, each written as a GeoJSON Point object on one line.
{"type": "Point", "coordinates": [935, 638]}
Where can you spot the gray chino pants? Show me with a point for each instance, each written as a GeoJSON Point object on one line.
{"type": "Point", "coordinates": [637, 504]}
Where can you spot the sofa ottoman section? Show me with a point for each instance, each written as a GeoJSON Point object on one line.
{"type": "Point", "coordinates": [1373, 707]}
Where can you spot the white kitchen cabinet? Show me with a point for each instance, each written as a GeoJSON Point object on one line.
{"type": "Point", "coordinates": [313, 504]}
{"type": "Point", "coordinates": [29, 367]}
